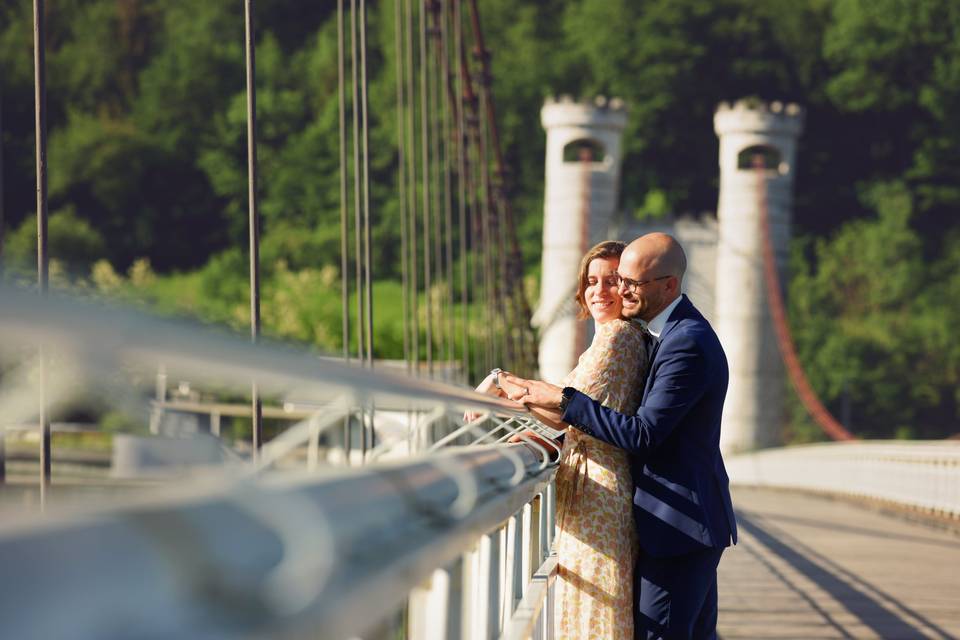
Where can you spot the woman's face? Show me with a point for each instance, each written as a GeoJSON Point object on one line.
{"type": "Point", "coordinates": [601, 294]}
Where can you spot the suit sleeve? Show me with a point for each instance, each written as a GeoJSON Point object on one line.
{"type": "Point", "coordinates": [682, 377]}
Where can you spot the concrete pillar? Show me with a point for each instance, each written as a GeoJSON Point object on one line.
{"type": "Point", "coordinates": [753, 411]}
{"type": "Point", "coordinates": [582, 182]}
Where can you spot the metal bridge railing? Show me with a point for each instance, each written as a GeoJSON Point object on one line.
{"type": "Point", "coordinates": [922, 475]}
{"type": "Point", "coordinates": [444, 531]}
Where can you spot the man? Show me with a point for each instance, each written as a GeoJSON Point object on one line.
{"type": "Point", "coordinates": [681, 498]}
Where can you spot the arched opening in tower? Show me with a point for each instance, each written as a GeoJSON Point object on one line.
{"type": "Point", "coordinates": [769, 158]}
{"type": "Point", "coordinates": [584, 150]}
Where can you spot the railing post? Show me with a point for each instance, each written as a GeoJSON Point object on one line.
{"type": "Point", "coordinates": [486, 612]}
{"type": "Point", "coordinates": [428, 608]}
{"type": "Point", "coordinates": [533, 530]}
{"type": "Point", "coordinates": [512, 579]}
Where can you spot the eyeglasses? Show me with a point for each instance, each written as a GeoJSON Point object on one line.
{"type": "Point", "coordinates": [633, 285]}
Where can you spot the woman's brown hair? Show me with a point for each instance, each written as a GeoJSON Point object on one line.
{"type": "Point", "coordinates": [605, 249]}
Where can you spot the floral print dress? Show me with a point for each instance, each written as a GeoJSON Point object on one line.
{"type": "Point", "coordinates": [597, 539]}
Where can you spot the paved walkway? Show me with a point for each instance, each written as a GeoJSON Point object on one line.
{"type": "Point", "coordinates": [810, 567]}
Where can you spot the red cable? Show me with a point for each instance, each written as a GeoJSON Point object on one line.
{"type": "Point", "coordinates": [798, 377]}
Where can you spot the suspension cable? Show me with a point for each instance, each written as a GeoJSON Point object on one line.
{"type": "Point", "coordinates": [824, 419]}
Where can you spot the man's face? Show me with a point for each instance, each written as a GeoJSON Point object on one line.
{"type": "Point", "coordinates": [642, 289]}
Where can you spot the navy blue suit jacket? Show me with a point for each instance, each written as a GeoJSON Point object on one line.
{"type": "Point", "coordinates": [681, 495]}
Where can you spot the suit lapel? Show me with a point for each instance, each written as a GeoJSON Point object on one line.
{"type": "Point", "coordinates": [679, 312]}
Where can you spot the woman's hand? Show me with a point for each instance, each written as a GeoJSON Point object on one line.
{"type": "Point", "coordinates": [489, 387]}
{"type": "Point", "coordinates": [552, 447]}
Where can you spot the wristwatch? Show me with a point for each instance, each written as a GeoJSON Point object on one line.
{"type": "Point", "coordinates": [567, 396]}
{"type": "Point", "coordinates": [495, 372]}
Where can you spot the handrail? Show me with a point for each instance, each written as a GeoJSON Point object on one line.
{"type": "Point", "coordinates": [278, 554]}
{"type": "Point", "coordinates": [107, 336]}
{"type": "Point", "coordinates": [255, 550]}
{"type": "Point", "coordinates": [921, 475]}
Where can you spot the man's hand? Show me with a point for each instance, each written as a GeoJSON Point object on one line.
{"type": "Point", "coordinates": [535, 392]}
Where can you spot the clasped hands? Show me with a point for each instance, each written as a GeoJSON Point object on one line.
{"type": "Point", "coordinates": [541, 398]}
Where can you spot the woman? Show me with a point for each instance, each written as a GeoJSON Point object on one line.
{"type": "Point", "coordinates": [596, 541]}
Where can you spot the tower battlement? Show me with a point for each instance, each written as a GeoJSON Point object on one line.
{"type": "Point", "coordinates": [757, 116]}
{"type": "Point", "coordinates": [601, 112]}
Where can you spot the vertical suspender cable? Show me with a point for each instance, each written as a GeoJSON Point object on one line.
{"type": "Point", "coordinates": [344, 266]}
{"type": "Point", "coordinates": [254, 222]}
{"type": "Point", "coordinates": [3, 437]}
{"type": "Point", "coordinates": [401, 182]}
{"type": "Point", "coordinates": [475, 158]}
{"type": "Point", "coordinates": [447, 181]}
{"type": "Point", "coordinates": [357, 222]}
{"type": "Point", "coordinates": [344, 221]}
{"type": "Point", "coordinates": [425, 168]}
{"type": "Point", "coordinates": [486, 224]}
{"type": "Point", "coordinates": [2, 212]}
{"type": "Point", "coordinates": [461, 209]}
{"type": "Point", "coordinates": [436, 139]}
{"type": "Point", "coordinates": [40, 112]}
{"type": "Point", "coordinates": [436, 168]}
{"type": "Point", "coordinates": [368, 440]}
{"type": "Point", "coordinates": [412, 191]}
{"type": "Point", "coordinates": [520, 300]}
{"type": "Point", "coordinates": [368, 285]}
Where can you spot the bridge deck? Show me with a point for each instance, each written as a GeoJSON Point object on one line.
{"type": "Point", "coordinates": [811, 567]}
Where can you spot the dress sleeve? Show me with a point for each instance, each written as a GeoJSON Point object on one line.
{"type": "Point", "coordinates": [614, 373]}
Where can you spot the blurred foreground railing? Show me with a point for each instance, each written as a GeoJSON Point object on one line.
{"type": "Point", "coordinates": [296, 555]}
{"type": "Point", "coordinates": [435, 528]}
{"type": "Point", "coordinates": [922, 475]}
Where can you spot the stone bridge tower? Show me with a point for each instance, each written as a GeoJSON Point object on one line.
{"type": "Point", "coordinates": [750, 133]}
{"type": "Point", "coordinates": [582, 183]}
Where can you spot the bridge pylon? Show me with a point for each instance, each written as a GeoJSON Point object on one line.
{"type": "Point", "coordinates": [582, 184]}
{"type": "Point", "coordinates": [758, 144]}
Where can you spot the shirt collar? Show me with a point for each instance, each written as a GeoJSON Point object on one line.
{"type": "Point", "coordinates": [655, 326]}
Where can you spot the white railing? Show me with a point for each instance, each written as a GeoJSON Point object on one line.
{"type": "Point", "coordinates": [442, 520]}
{"type": "Point", "coordinates": [922, 475]}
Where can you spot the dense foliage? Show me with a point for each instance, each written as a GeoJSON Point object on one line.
{"type": "Point", "coordinates": [148, 175]}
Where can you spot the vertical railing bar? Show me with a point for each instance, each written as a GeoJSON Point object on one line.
{"type": "Point", "coordinates": [455, 600]}
{"type": "Point", "coordinates": [254, 218]}
{"type": "Point", "coordinates": [43, 263]}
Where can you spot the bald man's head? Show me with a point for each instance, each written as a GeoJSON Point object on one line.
{"type": "Point", "coordinates": [655, 263]}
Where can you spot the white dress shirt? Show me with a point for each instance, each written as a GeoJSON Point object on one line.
{"type": "Point", "coordinates": [655, 326]}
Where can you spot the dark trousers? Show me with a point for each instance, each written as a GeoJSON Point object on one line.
{"type": "Point", "coordinates": [676, 596]}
